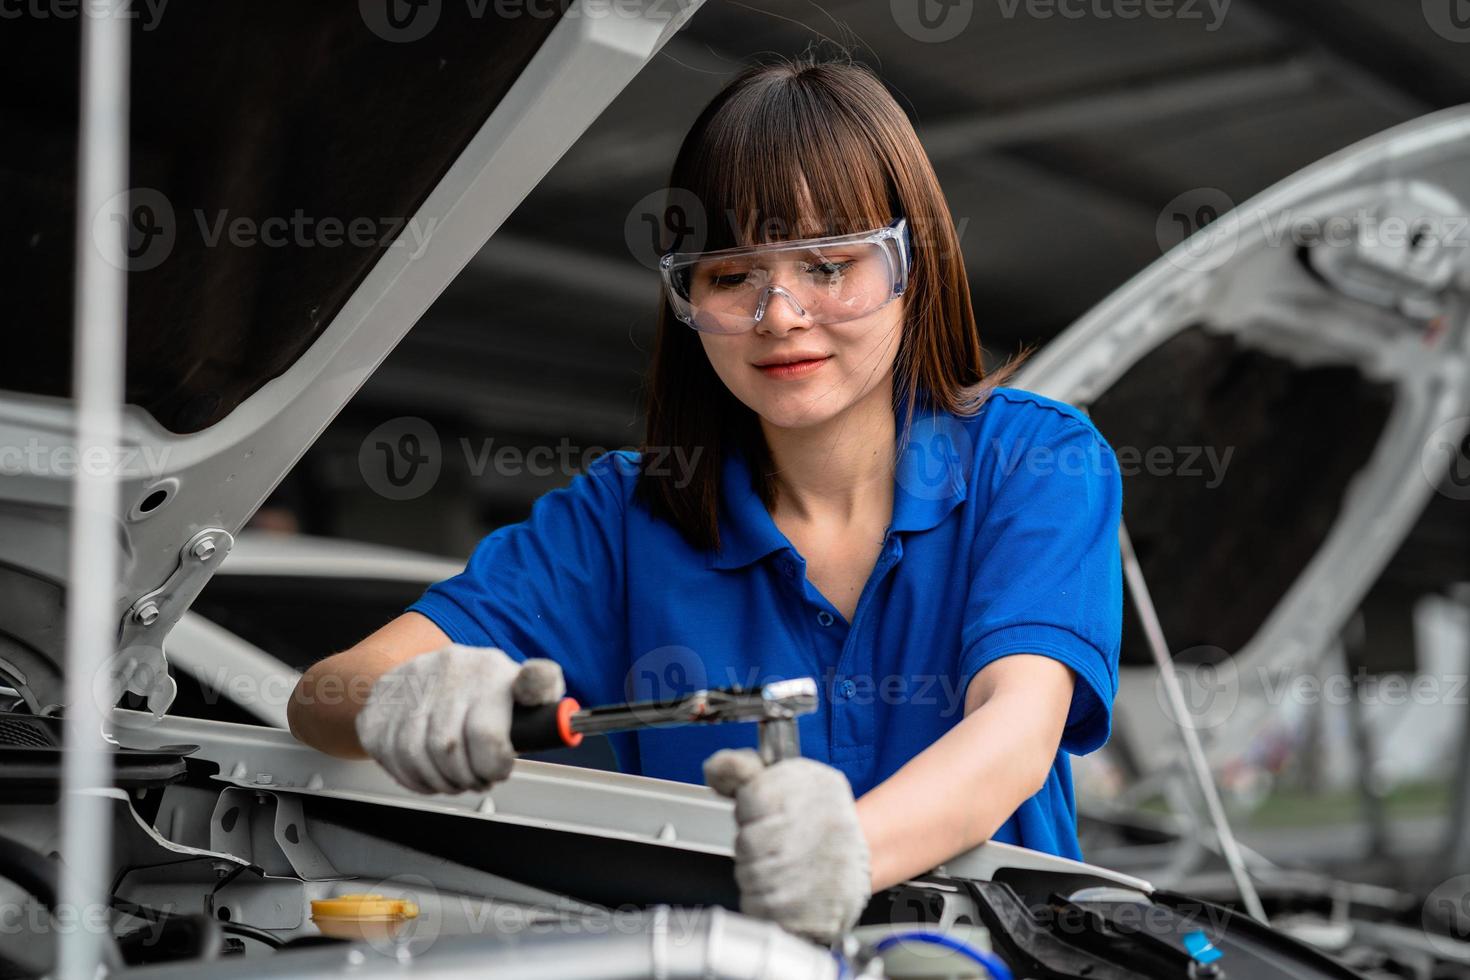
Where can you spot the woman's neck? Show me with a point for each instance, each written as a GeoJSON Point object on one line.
{"type": "Point", "coordinates": [840, 470]}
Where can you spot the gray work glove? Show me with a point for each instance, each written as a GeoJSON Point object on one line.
{"type": "Point", "coordinates": [440, 723]}
{"type": "Point", "coordinates": [800, 856]}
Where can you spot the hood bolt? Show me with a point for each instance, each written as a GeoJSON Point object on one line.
{"type": "Point", "coordinates": [204, 550]}
{"type": "Point", "coordinates": [147, 614]}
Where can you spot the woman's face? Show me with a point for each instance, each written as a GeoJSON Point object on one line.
{"type": "Point", "coordinates": [794, 373]}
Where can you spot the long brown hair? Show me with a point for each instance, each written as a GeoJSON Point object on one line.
{"type": "Point", "coordinates": [737, 180]}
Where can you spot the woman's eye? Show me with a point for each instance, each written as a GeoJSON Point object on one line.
{"type": "Point", "coordinates": [727, 281]}
{"type": "Point", "coordinates": [831, 269]}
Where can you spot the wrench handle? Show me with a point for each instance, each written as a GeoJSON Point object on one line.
{"type": "Point", "coordinates": [535, 728]}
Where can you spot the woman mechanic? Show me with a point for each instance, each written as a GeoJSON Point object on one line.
{"type": "Point", "coordinates": [862, 504]}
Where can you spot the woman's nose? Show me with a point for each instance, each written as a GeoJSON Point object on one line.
{"type": "Point", "coordinates": [778, 312]}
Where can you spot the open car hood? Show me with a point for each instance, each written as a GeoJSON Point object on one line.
{"type": "Point", "coordinates": [1284, 389]}
{"type": "Point", "coordinates": [242, 346]}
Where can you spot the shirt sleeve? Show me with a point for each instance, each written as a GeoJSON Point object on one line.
{"type": "Point", "coordinates": [1049, 575]}
{"type": "Point", "coordinates": [552, 585]}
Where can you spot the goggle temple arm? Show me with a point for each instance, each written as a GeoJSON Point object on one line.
{"type": "Point", "coordinates": [905, 253]}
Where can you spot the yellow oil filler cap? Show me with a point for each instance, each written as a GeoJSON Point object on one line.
{"type": "Point", "coordinates": [362, 916]}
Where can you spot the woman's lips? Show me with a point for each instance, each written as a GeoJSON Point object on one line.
{"type": "Point", "coordinates": [793, 369]}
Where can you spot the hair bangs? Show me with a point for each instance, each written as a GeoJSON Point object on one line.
{"type": "Point", "coordinates": [788, 167]}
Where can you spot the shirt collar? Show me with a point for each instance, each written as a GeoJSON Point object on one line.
{"type": "Point", "coordinates": [747, 532]}
{"type": "Point", "coordinates": [930, 480]}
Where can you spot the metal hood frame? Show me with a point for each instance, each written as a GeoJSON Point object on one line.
{"type": "Point", "coordinates": [659, 812]}
{"type": "Point", "coordinates": [185, 496]}
{"type": "Point", "coordinates": [1397, 313]}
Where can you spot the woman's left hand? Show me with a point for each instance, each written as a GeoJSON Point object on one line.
{"type": "Point", "coordinates": [801, 859]}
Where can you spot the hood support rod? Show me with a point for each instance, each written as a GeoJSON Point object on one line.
{"type": "Point", "coordinates": [100, 311]}
{"type": "Point", "coordinates": [1199, 766]}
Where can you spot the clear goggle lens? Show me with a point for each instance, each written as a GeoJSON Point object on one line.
{"type": "Point", "coordinates": [825, 280]}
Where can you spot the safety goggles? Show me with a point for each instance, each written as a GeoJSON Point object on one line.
{"type": "Point", "coordinates": [826, 280]}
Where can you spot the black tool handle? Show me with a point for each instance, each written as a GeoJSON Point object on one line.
{"type": "Point", "coordinates": [535, 728]}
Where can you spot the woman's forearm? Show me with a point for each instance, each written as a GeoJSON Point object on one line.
{"type": "Point", "coordinates": [955, 794]}
{"type": "Point", "coordinates": [323, 708]}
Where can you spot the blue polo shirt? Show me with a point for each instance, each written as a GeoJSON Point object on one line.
{"type": "Point", "coordinates": [1003, 540]}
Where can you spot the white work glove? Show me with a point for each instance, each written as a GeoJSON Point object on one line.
{"type": "Point", "coordinates": [440, 723]}
{"type": "Point", "coordinates": [800, 856]}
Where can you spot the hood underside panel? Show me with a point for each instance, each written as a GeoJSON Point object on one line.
{"type": "Point", "coordinates": [1218, 534]}
{"type": "Point", "coordinates": [265, 188]}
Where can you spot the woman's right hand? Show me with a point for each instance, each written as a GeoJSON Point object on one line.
{"type": "Point", "coordinates": [440, 722]}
